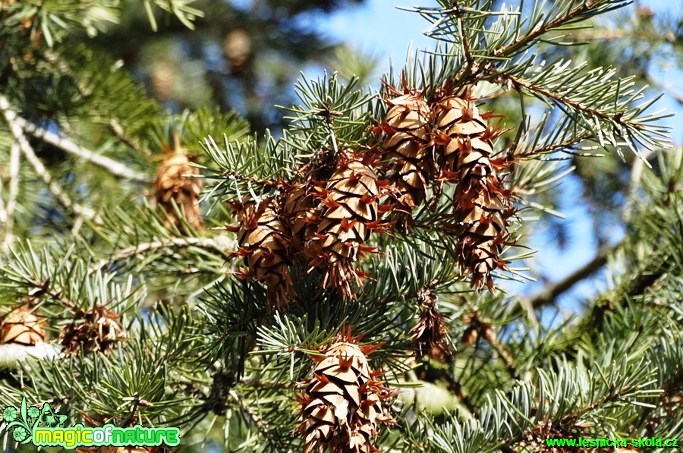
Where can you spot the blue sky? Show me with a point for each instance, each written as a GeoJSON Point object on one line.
{"type": "Point", "coordinates": [378, 28]}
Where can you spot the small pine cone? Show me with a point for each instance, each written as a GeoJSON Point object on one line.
{"type": "Point", "coordinates": [342, 404]}
{"type": "Point", "coordinates": [430, 334]}
{"type": "Point", "coordinates": [406, 139]}
{"type": "Point", "coordinates": [21, 326]}
{"type": "Point", "coordinates": [482, 206]}
{"type": "Point", "coordinates": [264, 243]}
{"type": "Point", "coordinates": [172, 184]}
{"type": "Point", "coordinates": [349, 213]}
{"type": "Point", "coordinates": [95, 330]}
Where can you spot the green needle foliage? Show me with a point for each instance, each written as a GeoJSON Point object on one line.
{"type": "Point", "coordinates": [143, 317]}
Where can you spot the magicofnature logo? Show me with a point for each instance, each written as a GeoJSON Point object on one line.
{"type": "Point", "coordinates": [45, 428]}
{"type": "Point", "coordinates": [20, 422]}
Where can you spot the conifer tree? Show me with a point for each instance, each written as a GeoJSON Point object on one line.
{"type": "Point", "coordinates": [342, 287]}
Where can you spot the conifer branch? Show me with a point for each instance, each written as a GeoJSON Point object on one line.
{"type": "Point", "coordinates": [579, 12]}
{"type": "Point", "coordinates": [129, 252]}
{"type": "Point", "coordinates": [112, 166]}
{"type": "Point", "coordinates": [551, 292]}
{"type": "Point", "coordinates": [565, 145]}
{"type": "Point", "coordinates": [38, 166]}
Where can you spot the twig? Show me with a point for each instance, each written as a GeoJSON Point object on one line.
{"type": "Point", "coordinates": [15, 155]}
{"type": "Point", "coordinates": [615, 118]}
{"type": "Point", "coordinates": [120, 133]}
{"type": "Point", "coordinates": [464, 41]}
{"type": "Point", "coordinates": [554, 146]}
{"type": "Point", "coordinates": [488, 332]}
{"type": "Point", "coordinates": [552, 291]}
{"type": "Point", "coordinates": [3, 213]}
{"type": "Point", "coordinates": [112, 166]}
{"type": "Point", "coordinates": [254, 418]}
{"type": "Point", "coordinates": [27, 150]}
{"type": "Point", "coordinates": [678, 96]}
{"type": "Point", "coordinates": [131, 251]}
{"type": "Point", "coordinates": [526, 38]}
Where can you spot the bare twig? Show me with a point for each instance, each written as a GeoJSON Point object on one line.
{"type": "Point", "coordinates": [112, 166]}
{"type": "Point", "coordinates": [38, 166]}
{"type": "Point", "coordinates": [3, 213]}
{"type": "Point", "coordinates": [120, 133]}
{"type": "Point", "coordinates": [677, 95]}
{"type": "Point", "coordinates": [552, 291]}
{"type": "Point", "coordinates": [488, 332]}
{"type": "Point", "coordinates": [145, 247]}
{"type": "Point", "coordinates": [15, 155]}
{"type": "Point", "coordinates": [255, 419]}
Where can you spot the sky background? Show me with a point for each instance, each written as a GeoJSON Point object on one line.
{"type": "Point", "coordinates": [381, 30]}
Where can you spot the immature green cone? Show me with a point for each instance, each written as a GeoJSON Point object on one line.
{"type": "Point", "coordinates": [482, 205]}
{"type": "Point", "coordinates": [349, 213]}
{"type": "Point", "coordinates": [406, 138]}
{"type": "Point", "coordinates": [264, 242]}
{"type": "Point", "coordinates": [342, 404]}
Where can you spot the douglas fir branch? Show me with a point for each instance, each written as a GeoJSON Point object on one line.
{"type": "Point", "coordinates": [342, 285]}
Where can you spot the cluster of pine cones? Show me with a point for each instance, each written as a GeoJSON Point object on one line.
{"type": "Point", "coordinates": [447, 141]}
{"type": "Point", "coordinates": [424, 146]}
{"type": "Point", "coordinates": [314, 223]}
{"type": "Point", "coordinates": [427, 150]}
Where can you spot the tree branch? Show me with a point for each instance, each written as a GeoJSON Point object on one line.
{"type": "Point", "coordinates": [27, 150]}
{"type": "Point", "coordinates": [525, 39]}
{"type": "Point", "coordinates": [112, 166]}
{"type": "Point", "coordinates": [548, 295]}
{"type": "Point", "coordinates": [220, 243]}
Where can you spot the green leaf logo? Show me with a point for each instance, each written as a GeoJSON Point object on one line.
{"type": "Point", "coordinates": [50, 419]}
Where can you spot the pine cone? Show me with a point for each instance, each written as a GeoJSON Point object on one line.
{"type": "Point", "coordinates": [430, 334]}
{"type": "Point", "coordinates": [95, 330]}
{"type": "Point", "coordinates": [264, 243]}
{"type": "Point", "coordinates": [22, 326]}
{"type": "Point", "coordinates": [406, 138]}
{"type": "Point", "coordinates": [349, 214]}
{"type": "Point", "coordinates": [482, 205]}
{"type": "Point", "coordinates": [300, 209]}
{"type": "Point", "coordinates": [342, 404]}
{"type": "Point", "coordinates": [172, 184]}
